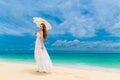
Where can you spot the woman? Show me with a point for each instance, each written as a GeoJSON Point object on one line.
{"type": "Point", "coordinates": [44, 64]}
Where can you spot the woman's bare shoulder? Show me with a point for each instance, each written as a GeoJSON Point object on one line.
{"type": "Point", "coordinates": [41, 32]}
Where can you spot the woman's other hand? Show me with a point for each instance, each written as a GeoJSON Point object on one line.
{"type": "Point", "coordinates": [42, 47]}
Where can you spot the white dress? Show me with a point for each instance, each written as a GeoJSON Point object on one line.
{"type": "Point", "coordinates": [43, 61]}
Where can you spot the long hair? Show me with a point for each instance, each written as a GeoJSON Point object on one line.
{"type": "Point", "coordinates": [44, 31]}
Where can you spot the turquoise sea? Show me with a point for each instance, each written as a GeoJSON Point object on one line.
{"type": "Point", "coordinates": [111, 60]}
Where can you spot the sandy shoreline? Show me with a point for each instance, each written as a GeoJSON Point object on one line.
{"type": "Point", "coordinates": [24, 71]}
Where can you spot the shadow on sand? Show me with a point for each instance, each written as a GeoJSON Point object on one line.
{"type": "Point", "coordinates": [35, 72]}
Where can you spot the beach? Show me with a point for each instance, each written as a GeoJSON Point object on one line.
{"type": "Point", "coordinates": [27, 71]}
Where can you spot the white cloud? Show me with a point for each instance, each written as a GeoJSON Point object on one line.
{"type": "Point", "coordinates": [79, 18]}
{"type": "Point", "coordinates": [108, 15]}
{"type": "Point", "coordinates": [115, 29]}
{"type": "Point", "coordinates": [6, 30]}
{"type": "Point", "coordinates": [74, 22]}
{"type": "Point", "coordinates": [87, 45]}
{"type": "Point", "coordinates": [13, 29]}
{"type": "Point", "coordinates": [82, 20]}
{"type": "Point", "coordinates": [65, 43]}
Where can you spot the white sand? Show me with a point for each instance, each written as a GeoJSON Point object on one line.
{"type": "Point", "coordinates": [24, 71]}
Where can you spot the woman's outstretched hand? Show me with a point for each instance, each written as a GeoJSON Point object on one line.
{"type": "Point", "coordinates": [35, 33]}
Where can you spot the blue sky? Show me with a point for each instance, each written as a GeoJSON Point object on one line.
{"type": "Point", "coordinates": [79, 25]}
